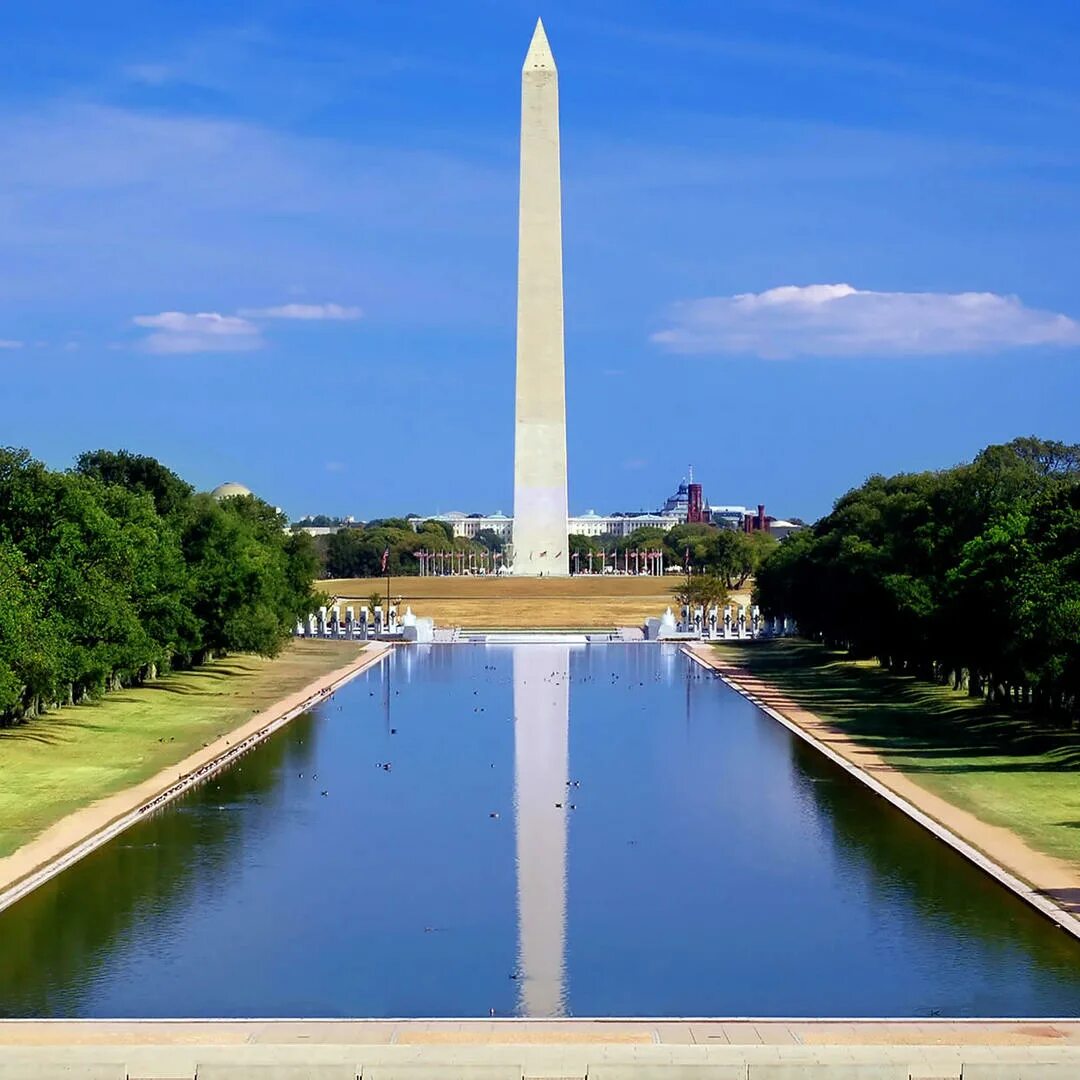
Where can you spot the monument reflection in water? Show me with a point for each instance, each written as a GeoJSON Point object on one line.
{"type": "Point", "coordinates": [714, 865]}
{"type": "Point", "coordinates": [541, 804]}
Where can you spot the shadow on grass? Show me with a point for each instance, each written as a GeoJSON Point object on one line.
{"type": "Point", "coordinates": [28, 734]}
{"type": "Point", "coordinates": [933, 728]}
{"type": "Point", "coordinates": [194, 681]}
{"type": "Point", "coordinates": [200, 682]}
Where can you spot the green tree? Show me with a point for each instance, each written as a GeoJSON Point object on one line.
{"type": "Point", "coordinates": [698, 542]}
{"type": "Point", "coordinates": [647, 538]}
{"type": "Point", "coordinates": [489, 539]}
{"type": "Point", "coordinates": [137, 473]}
{"type": "Point", "coordinates": [706, 590]}
{"type": "Point", "coordinates": [582, 546]}
{"type": "Point", "coordinates": [30, 651]}
{"type": "Point", "coordinates": [971, 574]}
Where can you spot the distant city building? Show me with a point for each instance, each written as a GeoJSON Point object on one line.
{"type": "Point", "coordinates": [687, 504]}
{"type": "Point", "coordinates": [781, 529]}
{"type": "Point", "coordinates": [468, 525]}
{"type": "Point", "coordinates": [229, 489]}
{"type": "Point", "coordinates": [593, 524]}
{"type": "Point", "coordinates": [322, 525]}
{"type": "Point", "coordinates": [319, 530]}
{"type": "Point", "coordinates": [728, 517]}
{"type": "Point", "coordinates": [762, 522]}
{"type": "Point", "coordinates": [677, 504]}
{"type": "Point", "coordinates": [695, 505]}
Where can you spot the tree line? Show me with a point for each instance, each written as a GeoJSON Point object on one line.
{"type": "Point", "coordinates": [116, 570]}
{"type": "Point", "coordinates": [969, 575]}
{"type": "Point", "coordinates": [357, 551]}
{"type": "Point", "coordinates": [733, 557]}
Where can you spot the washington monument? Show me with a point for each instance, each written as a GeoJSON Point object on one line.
{"type": "Point", "coordinates": [540, 506]}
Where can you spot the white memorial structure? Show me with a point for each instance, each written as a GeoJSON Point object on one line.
{"type": "Point", "coordinates": [540, 506]}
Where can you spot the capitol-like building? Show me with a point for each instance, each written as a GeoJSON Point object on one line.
{"type": "Point", "coordinates": [588, 524]}
{"type": "Point", "coordinates": [686, 504]}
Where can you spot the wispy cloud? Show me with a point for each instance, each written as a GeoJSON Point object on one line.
{"type": "Point", "coordinates": [149, 74]}
{"type": "Point", "coordinates": [205, 331]}
{"type": "Point", "coordinates": [839, 320]}
{"type": "Point", "coordinates": [209, 331]}
{"type": "Point", "coordinates": [8, 344]}
{"type": "Point", "coordinates": [310, 312]}
{"type": "Point", "coordinates": [210, 198]}
{"type": "Point", "coordinates": [805, 53]}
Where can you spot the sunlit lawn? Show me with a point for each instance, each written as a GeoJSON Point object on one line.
{"type": "Point", "coordinates": [74, 756]}
{"type": "Point", "coordinates": [1010, 769]}
{"type": "Point", "coordinates": [579, 602]}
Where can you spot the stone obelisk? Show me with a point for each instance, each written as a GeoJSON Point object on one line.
{"type": "Point", "coordinates": [540, 506]}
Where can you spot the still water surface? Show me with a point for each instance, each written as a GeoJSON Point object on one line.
{"type": "Point", "coordinates": [703, 862]}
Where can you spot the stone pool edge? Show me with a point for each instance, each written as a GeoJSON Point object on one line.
{"type": "Point", "coordinates": [126, 808]}
{"type": "Point", "coordinates": [1029, 892]}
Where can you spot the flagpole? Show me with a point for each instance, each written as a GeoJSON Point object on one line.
{"type": "Point", "coordinates": [386, 561]}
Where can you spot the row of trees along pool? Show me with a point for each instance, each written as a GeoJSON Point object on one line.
{"type": "Point", "coordinates": [969, 575]}
{"type": "Point", "coordinates": [116, 570]}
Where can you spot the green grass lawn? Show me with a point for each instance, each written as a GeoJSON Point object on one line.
{"type": "Point", "coordinates": [72, 757]}
{"type": "Point", "coordinates": [1009, 769]}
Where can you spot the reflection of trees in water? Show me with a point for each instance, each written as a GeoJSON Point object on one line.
{"type": "Point", "coordinates": [53, 943]}
{"type": "Point", "coordinates": [899, 856]}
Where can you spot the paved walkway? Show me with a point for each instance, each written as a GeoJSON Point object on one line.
{"type": "Point", "coordinates": [508, 1049]}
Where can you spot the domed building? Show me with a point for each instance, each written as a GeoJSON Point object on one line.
{"type": "Point", "coordinates": [230, 489]}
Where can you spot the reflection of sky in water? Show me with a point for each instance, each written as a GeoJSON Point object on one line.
{"type": "Point", "coordinates": [712, 865]}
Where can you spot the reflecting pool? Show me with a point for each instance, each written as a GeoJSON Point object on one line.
{"type": "Point", "coordinates": [531, 830]}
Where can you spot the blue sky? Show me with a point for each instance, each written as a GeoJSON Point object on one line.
{"type": "Point", "coordinates": [275, 242]}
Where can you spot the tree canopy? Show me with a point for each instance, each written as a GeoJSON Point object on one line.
{"type": "Point", "coordinates": [117, 569]}
{"type": "Point", "coordinates": [970, 574]}
{"type": "Point", "coordinates": [358, 552]}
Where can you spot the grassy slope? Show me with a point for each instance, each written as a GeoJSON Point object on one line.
{"type": "Point", "coordinates": [1007, 769]}
{"type": "Point", "coordinates": [75, 756]}
{"type": "Point", "coordinates": [580, 602]}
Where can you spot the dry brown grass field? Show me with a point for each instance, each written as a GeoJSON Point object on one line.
{"type": "Point", "coordinates": [582, 602]}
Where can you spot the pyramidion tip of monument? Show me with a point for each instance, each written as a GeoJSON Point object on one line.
{"type": "Point", "coordinates": [539, 54]}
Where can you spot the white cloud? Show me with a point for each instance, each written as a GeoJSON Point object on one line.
{"type": "Point", "coordinates": [839, 320]}
{"type": "Point", "coordinates": [8, 344]}
{"type": "Point", "coordinates": [303, 311]}
{"type": "Point", "coordinates": [180, 332]}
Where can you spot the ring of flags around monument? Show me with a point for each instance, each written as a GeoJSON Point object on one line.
{"type": "Point", "coordinates": [646, 563]}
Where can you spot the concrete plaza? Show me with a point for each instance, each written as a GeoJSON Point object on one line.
{"type": "Point", "coordinates": [512, 1049]}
